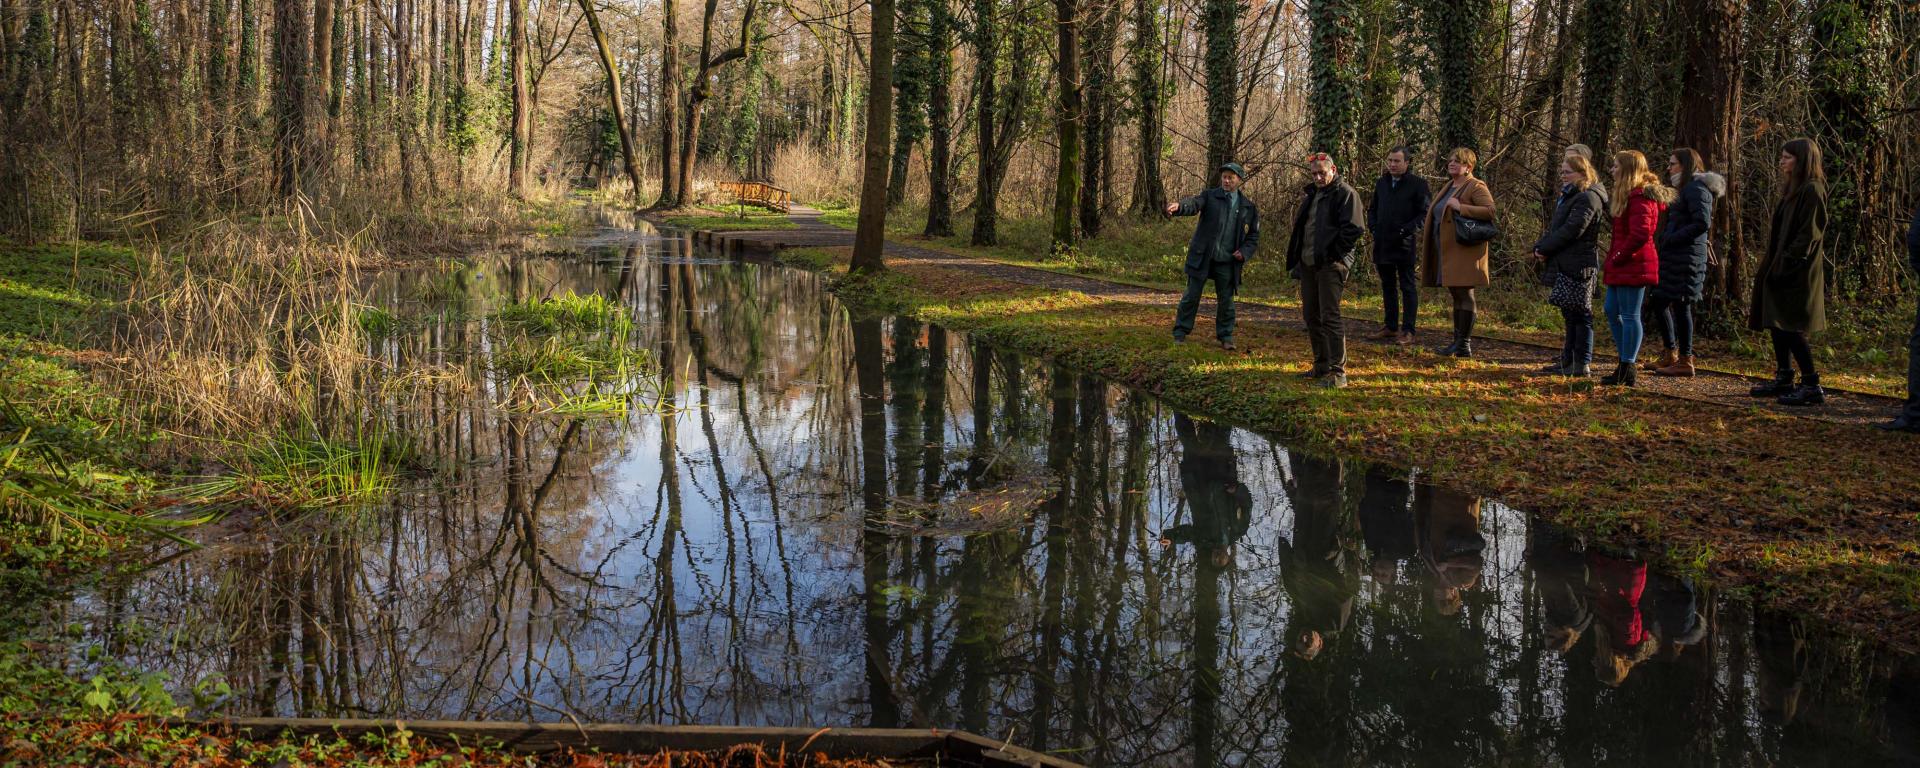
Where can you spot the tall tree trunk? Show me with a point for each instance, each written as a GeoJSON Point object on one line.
{"type": "Point", "coordinates": [1333, 76]}
{"type": "Point", "coordinates": [1606, 53]}
{"type": "Point", "coordinates": [940, 120]}
{"type": "Point", "coordinates": [911, 60]}
{"type": "Point", "coordinates": [517, 127]}
{"type": "Point", "coordinates": [319, 146]}
{"type": "Point", "coordinates": [701, 90]}
{"type": "Point", "coordinates": [1096, 51]}
{"type": "Point", "coordinates": [1709, 122]}
{"type": "Point", "coordinates": [1847, 86]}
{"type": "Point", "coordinates": [1066, 185]}
{"type": "Point", "coordinates": [669, 105]}
{"type": "Point", "coordinates": [870, 237]}
{"type": "Point", "coordinates": [1222, 76]}
{"type": "Point", "coordinates": [612, 70]}
{"type": "Point", "coordinates": [1456, 24]}
{"type": "Point", "coordinates": [1149, 192]}
{"type": "Point", "coordinates": [289, 94]}
{"type": "Point", "coordinates": [986, 68]}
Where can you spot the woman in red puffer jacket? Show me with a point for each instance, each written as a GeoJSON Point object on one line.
{"type": "Point", "coordinates": [1632, 263]}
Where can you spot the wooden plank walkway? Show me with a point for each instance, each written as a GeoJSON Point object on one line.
{"type": "Point", "coordinates": [1713, 387]}
{"type": "Point", "coordinates": [957, 748]}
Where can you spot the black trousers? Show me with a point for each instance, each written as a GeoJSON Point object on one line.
{"type": "Point", "coordinates": [1320, 289]}
{"type": "Point", "coordinates": [1221, 273]}
{"type": "Point", "coordinates": [1791, 347]}
{"type": "Point", "coordinates": [1577, 345]}
{"type": "Point", "coordinates": [1674, 318]}
{"type": "Point", "coordinates": [1400, 295]}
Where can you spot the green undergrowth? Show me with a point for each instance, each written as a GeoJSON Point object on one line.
{"type": "Point", "coordinates": [308, 471]}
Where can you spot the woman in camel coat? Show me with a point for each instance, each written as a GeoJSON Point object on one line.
{"type": "Point", "coordinates": [1445, 261]}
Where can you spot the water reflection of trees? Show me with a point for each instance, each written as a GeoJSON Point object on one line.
{"type": "Point", "coordinates": [745, 553]}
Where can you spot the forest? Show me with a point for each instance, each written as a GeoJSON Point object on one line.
{"type": "Point", "coordinates": [154, 115]}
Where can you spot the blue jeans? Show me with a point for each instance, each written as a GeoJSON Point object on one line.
{"type": "Point", "coordinates": [1623, 318]}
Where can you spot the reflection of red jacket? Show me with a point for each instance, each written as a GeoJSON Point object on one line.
{"type": "Point", "coordinates": [1632, 259]}
{"type": "Point", "coordinates": [1619, 584]}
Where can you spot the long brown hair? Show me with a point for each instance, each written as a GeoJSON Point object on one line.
{"type": "Point", "coordinates": [1806, 163]}
{"type": "Point", "coordinates": [1689, 165]}
{"type": "Point", "coordinates": [1633, 175]}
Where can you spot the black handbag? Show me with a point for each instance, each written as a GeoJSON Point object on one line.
{"type": "Point", "coordinates": [1474, 231]}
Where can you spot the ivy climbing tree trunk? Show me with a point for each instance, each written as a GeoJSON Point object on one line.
{"type": "Point", "coordinates": [1149, 191]}
{"type": "Point", "coordinates": [940, 120]}
{"type": "Point", "coordinates": [1455, 26]}
{"type": "Point", "coordinates": [289, 94]}
{"type": "Point", "coordinates": [1222, 76]}
{"type": "Point", "coordinates": [1847, 85]}
{"type": "Point", "coordinates": [1605, 26]}
{"type": "Point", "coordinates": [911, 63]}
{"type": "Point", "coordinates": [870, 235]}
{"type": "Point", "coordinates": [1379, 79]}
{"type": "Point", "coordinates": [1068, 118]}
{"type": "Point", "coordinates": [1333, 75]}
{"type": "Point", "coordinates": [1709, 122]}
{"type": "Point", "coordinates": [517, 127]}
{"type": "Point", "coordinates": [997, 110]}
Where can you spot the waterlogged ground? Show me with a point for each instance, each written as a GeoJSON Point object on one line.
{"type": "Point", "coordinates": [807, 518]}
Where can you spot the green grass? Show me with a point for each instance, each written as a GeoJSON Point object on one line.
{"type": "Point", "coordinates": [309, 471]}
{"type": "Point", "coordinates": [568, 313]}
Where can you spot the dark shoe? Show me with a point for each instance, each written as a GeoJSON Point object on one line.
{"type": "Point", "coordinates": [1384, 334]}
{"type": "Point", "coordinates": [1465, 350]}
{"type": "Point", "coordinates": [1624, 374]}
{"type": "Point", "coordinates": [1577, 371]}
{"type": "Point", "coordinates": [1810, 394]}
{"type": "Point", "coordinates": [1313, 373]}
{"type": "Point", "coordinates": [1556, 367]}
{"type": "Point", "coordinates": [1681, 367]}
{"type": "Point", "coordinates": [1899, 423]}
{"type": "Point", "coordinates": [1179, 339]}
{"type": "Point", "coordinates": [1449, 350]}
{"type": "Point", "coordinates": [1227, 344]}
{"type": "Point", "coordinates": [1776, 388]}
{"type": "Point", "coordinates": [1332, 381]}
{"type": "Point", "coordinates": [1405, 339]}
{"type": "Point", "coordinates": [1667, 358]}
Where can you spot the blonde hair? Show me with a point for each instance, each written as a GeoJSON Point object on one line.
{"type": "Point", "coordinates": [1582, 166]}
{"type": "Point", "coordinates": [1633, 175]}
{"type": "Point", "coordinates": [1583, 151]}
{"type": "Point", "coordinates": [1463, 156]}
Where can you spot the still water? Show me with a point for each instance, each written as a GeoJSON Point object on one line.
{"type": "Point", "coordinates": [812, 518]}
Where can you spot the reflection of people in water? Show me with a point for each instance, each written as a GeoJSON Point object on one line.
{"type": "Point", "coordinates": [1450, 543]}
{"type": "Point", "coordinates": [1621, 639]}
{"type": "Point", "coordinates": [1674, 606]}
{"type": "Point", "coordinates": [1386, 523]}
{"type": "Point", "coordinates": [1222, 509]}
{"type": "Point", "coordinates": [1221, 506]}
{"type": "Point", "coordinates": [1560, 576]}
{"type": "Point", "coordinates": [1319, 563]}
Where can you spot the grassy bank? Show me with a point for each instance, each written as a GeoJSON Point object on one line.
{"type": "Point", "coordinates": [153, 382]}
{"type": "Point", "coordinates": [1805, 513]}
{"type": "Point", "coordinates": [1863, 349]}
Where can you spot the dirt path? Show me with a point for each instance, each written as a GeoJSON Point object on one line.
{"type": "Point", "coordinates": [1718, 388]}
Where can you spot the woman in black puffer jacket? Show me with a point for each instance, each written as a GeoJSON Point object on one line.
{"type": "Point", "coordinates": [1570, 256]}
{"type": "Point", "coordinates": [1683, 246]}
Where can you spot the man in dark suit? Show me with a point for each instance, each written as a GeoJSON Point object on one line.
{"type": "Point", "coordinates": [1319, 254]}
{"type": "Point", "coordinates": [1226, 236]}
{"type": "Point", "coordinates": [1395, 217]}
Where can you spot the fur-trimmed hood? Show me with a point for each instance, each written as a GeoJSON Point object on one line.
{"type": "Point", "coordinates": [1716, 183]}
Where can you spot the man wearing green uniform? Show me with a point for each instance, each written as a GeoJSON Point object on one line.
{"type": "Point", "coordinates": [1226, 236]}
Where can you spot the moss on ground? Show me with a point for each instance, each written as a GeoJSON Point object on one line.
{"type": "Point", "coordinates": [1804, 512]}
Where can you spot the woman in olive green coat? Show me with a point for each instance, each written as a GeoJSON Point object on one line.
{"type": "Point", "coordinates": [1789, 289]}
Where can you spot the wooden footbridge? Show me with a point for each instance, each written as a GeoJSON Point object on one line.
{"type": "Point", "coordinates": [759, 193]}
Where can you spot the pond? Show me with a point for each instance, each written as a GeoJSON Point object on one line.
{"type": "Point", "coordinates": [807, 517]}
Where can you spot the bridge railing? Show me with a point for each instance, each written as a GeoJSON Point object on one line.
{"type": "Point", "coordinates": [758, 193]}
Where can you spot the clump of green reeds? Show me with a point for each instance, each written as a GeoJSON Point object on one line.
{"type": "Point", "coordinates": [310, 470]}
{"type": "Point", "coordinates": [568, 313]}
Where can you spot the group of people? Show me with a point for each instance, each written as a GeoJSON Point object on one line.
{"type": "Point", "coordinates": [1653, 268]}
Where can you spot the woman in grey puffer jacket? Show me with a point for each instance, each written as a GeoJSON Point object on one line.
{"type": "Point", "coordinates": [1683, 246]}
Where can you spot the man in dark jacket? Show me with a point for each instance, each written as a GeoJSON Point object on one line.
{"type": "Point", "coordinates": [1395, 216]}
{"type": "Point", "coordinates": [1227, 235]}
{"type": "Point", "coordinates": [1909, 418]}
{"type": "Point", "coordinates": [1325, 230]}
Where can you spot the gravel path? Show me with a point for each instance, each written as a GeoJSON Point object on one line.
{"type": "Point", "coordinates": [1725, 389]}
